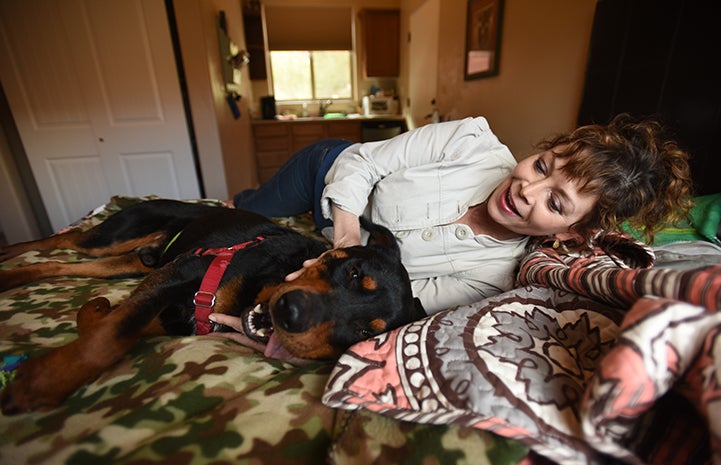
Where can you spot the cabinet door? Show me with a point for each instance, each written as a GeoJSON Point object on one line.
{"type": "Point", "coordinates": [381, 42]}
{"type": "Point", "coordinates": [349, 130]}
{"type": "Point", "coordinates": [306, 133]}
{"type": "Point", "coordinates": [272, 148]}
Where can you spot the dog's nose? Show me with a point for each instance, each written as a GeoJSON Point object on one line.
{"type": "Point", "coordinates": [288, 313]}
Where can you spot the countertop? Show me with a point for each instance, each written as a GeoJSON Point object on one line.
{"type": "Point", "coordinates": [338, 118]}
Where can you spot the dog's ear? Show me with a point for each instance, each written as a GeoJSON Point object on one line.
{"type": "Point", "coordinates": [381, 237]}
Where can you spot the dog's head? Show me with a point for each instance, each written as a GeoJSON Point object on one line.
{"type": "Point", "coordinates": [349, 295]}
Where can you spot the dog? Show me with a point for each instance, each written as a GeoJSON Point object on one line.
{"type": "Point", "coordinates": [347, 296]}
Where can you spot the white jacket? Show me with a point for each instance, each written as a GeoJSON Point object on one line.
{"type": "Point", "coordinates": [417, 184]}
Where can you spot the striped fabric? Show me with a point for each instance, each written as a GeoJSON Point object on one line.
{"type": "Point", "coordinates": [606, 278]}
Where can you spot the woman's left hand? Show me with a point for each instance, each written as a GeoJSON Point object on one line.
{"type": "Point", "coordinates": [231, 321]}
{"type": "Point", "coordinates": [238, 335]}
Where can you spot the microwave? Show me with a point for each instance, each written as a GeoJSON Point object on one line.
{"type": "Point", "coordinates": [373, 105]}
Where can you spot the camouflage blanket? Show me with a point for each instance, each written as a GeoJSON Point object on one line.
{"type": "Point", "coordinates": [200, 400]}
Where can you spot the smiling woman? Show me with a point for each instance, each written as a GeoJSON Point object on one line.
{"type": "Point", "coordinates": [461, 207]}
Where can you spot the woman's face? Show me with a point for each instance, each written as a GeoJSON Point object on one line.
{"type": "Point", "coordinates": [537, 199]}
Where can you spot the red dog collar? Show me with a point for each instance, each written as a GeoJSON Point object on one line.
{"type": "Point", "coordinates": [204, 299]}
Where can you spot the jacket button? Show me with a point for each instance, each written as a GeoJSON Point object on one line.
{"type": "Point", "coordinates": [401, 234]}
{"type": "Point", "coordinates": [461, 233]}
{"type": "Point", "coordinates": [427, 234]}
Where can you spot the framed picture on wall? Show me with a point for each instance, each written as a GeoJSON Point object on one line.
{"type": "Point", "coordinates": [483, 38]}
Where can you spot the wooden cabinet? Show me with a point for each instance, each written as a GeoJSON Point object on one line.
{"type": "Point", "coordinates": [254, 39]}
{"type": "Point", "coordinates": [381, 42]}
{"type": "Point", "coordinates": [276, 141]}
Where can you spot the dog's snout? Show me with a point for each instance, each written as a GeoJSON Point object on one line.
{"type": "Point", "coordinates": [289, 313]}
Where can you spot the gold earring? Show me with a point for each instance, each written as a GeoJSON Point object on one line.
{"type": "Point", "coordinates": [556, 244]}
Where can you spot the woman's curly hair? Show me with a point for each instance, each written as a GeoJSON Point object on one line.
{"type": "Point", "coordinates": [639, 174]}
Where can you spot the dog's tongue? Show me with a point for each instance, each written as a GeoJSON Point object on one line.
{"type": "Point", "coordinates": [274, 349]}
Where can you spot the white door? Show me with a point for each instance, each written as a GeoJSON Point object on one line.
{"type": "Point", "coordinates": [94, 92]}
{"type": "Point", "coordinates": [423, 60]}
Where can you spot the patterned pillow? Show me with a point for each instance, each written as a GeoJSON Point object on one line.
{"type": "Point", "coordinates": [516, 365]}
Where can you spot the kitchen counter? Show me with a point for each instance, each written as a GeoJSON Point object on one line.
{"type": "Point", "coordinates": [351, 117]}
{"type": "Point", "coordinates": [276, 140]}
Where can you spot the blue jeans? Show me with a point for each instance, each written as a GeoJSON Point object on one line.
{"type": "Point", "coordinates": [297, 186]}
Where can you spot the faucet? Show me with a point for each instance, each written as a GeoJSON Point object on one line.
{"type": "Point", "coordinates": [323, 107]}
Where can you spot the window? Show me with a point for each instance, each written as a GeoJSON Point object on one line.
{"type": "Point", "coordinates": [311, 51]}
{"type": "Point", "coordinates": [311, 74]}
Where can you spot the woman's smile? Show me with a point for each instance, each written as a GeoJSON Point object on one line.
{"type": "Point", "coordinates": [507, 202]}
{"type": "Point", "coordinates": [538, 199]}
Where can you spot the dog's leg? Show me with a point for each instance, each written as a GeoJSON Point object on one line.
{"type": "Point", "coordinates": [109, 267]}
{"type": "Point", "coordinates": [91, 313]}
{"type": "Point", "coordinates": [76, 240]}
{"type": "Point", "coordinates": [60, 241]}
{"type": "Point", "coordinates": [104, 338]}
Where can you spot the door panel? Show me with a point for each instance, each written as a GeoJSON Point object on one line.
{"type": "Point", "coordinates": [76, 179]}
{"type": "Point", "coordinates": [94, 91]}
{"type": "Point", "coordinates": [139, 172]}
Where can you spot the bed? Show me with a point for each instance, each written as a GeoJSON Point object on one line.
{"type": "Point", "coordinates": [579, 364]}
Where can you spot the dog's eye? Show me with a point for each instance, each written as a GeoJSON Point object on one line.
{"type": "Point", "coordinates": [364, 333]}
{"type": "Point", "coordinates": [353, 273]}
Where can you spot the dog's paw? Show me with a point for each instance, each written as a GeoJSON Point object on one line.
{"type": "Point", "coordinates": [10, 251]}
{"type": "Point", "coordinates": [93, 311]}
{"type": "Point", "coordinates": [9, 279]}
{"type": "Point", "coordinates": [44, 382]}
{"type": "Point", "coordinates": [29, 391]}
{"type": "Point", "coordinates": [16, 277]}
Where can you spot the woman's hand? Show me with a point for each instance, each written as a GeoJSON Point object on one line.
{"type": "Point", "coordinates": [346, 233]}
{"type": "Point", "coordinates": [238, 335]}
{"type": "Point", "coordinates": [230, 321]}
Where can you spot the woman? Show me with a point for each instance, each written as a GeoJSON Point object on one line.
{"type": "Point", "coordinates": [463, 209]}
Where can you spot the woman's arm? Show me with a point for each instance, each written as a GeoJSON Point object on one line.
{"type": "Point", "coordinates": [346, 228]}
{"type": "Point", "coordinates": [360, 167]}
{"type": "Point", "coordinates": [346, 233]}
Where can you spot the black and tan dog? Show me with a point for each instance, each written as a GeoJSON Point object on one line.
{"type": "Point", "coordinates": [347, 296]}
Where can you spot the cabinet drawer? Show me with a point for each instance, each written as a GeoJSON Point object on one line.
{"type": "Point", "coordinates": [271, 159]}
{"type": "Point", "coordinates": [308, 129]}
{"type": "Point", "coordinates": [350, 130]}
{"type": "Point", "coordinates": [300, 142]}
{"type": "Point", "coordinates": [269, 144]}
{"type": "Point", "coordinates": [270, 130]}
{"type": "Point", "coordinates": [264, 174]}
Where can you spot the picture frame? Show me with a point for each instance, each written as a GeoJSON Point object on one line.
{"type": "Point", "coordinates": [483, 38]}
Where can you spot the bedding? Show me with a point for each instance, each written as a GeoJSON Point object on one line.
{"type": "Point", "coordinates": [593, 359]}
{"type": "Point", "coordinates": [200, 400]}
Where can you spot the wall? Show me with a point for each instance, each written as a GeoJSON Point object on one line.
{"type": "Point", "coordinates": [537, 92]}
{"type": "Point", "coordinates": [224, 144]}
{"type": "Point", "coordinates": [16, 219]}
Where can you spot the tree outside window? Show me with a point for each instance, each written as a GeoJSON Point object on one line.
{"type": "Point", "coordinates": [311, 74]}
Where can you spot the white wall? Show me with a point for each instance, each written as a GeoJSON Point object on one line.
{"type": "Point", "coordinates": [543, 55]}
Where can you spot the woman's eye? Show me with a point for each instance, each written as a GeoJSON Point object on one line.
{"type": "Point", "coordinates": [555, 205]}
{"type": "Point", "coordinates": [540, 166]}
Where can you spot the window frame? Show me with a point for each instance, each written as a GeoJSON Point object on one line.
{"type": "Point", "coordinates": [314, 16]}
{"type": "Point", "coordinates": [314, 97]}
